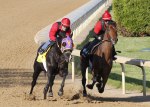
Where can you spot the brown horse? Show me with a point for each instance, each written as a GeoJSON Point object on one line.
{"type": "Point", "coordinates": [101, 60]}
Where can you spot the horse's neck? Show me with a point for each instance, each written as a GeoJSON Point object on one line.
{"type": "Point", "coordinates": [55, 51]}
{"type": "Point", "coordinates": [105, 50]}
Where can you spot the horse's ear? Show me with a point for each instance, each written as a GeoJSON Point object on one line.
{"type": "Point", "coordinates": [115, 24]}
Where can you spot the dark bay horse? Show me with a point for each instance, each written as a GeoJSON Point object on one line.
{"type": "Point", "coordinates": [101, 60]}
{"type": "Point", "coordinates": [57, 59]}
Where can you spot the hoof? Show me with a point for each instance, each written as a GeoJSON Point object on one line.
{"type": "Point", "coordinates": [44, 96]}
{"type": "Point", "coordinates": [60, 93]}
{"type": "Point", "coordinates": [84, 94]}
{"type": "Point", "coordinates": [50, 94]}
{"type": "Point", "coordinates": [89, 86]}
{"type": "Point", "coordinates": [98, 85]}
{"type": "Point", "coordinates": [101, 90]}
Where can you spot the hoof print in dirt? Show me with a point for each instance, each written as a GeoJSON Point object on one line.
{"type": "Point", "coordinates": [29, 97]}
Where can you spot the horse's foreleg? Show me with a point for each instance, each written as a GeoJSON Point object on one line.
{"type": "Point", "coordinates": [51, 85]}
{"type": "Point", "coordinates": [90, 86]}
{"type": "Point", "coordinates": [102, 84]}
{"type": "Point", "coordinates": [35, 76]}
{"type": "Point", "coordinates": [60, 92]}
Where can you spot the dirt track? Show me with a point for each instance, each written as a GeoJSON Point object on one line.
{"type": "Point", "coordinates": [15, 86]}
{"type": "Point", "coordinates": [19, 22]}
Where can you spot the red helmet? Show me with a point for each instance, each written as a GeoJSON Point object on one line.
{"type": "Point", "coordinates": [106, 16]}
{"type": "Point", "coordinates": [65, 22]}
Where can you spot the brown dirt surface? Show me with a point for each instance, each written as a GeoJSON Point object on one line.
{"type": "Point", "coordinates": [15, 87]}
{"type": "Point", "coordinates": [20, 20]}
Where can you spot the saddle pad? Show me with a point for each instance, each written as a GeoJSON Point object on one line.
{"type": "Point", "coordinates": [42, 57]}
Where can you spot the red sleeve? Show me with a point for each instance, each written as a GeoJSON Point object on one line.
{"type": "Point", "coordinates": [98, 27]}
{"type": "Point", "coordinates": [53, 31]}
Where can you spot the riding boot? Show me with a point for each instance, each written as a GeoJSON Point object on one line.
{"type": "Point", "coordinates": [113, 53]}
{"type": "Point", "coordinates": [45, 46]}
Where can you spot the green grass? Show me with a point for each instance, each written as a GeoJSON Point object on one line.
{"type": "Point", "coordinates": [131, 47]}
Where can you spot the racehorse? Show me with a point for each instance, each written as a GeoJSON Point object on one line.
{"type": "Point", "coordinates": [101, 60]}
{"type": "Point", "coordinates": [57, 59]}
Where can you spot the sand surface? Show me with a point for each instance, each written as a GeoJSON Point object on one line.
{"type": "Point", "coordinates": [20, 20]}
{"type": "Point", "coordinates": [15, 87]}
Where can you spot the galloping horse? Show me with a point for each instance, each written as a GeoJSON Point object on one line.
{"type": "Point", "coordinates": [57, 59]}
{"type": "Point", "coordinates": [101, 60]}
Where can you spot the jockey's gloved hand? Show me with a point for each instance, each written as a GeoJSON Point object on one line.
{"type": "Point", "coordinates": [62, 34]}
{"type": "Point", "coordinates": [99, 38]}
{"type": "Point", "coordinates": [58, 38]}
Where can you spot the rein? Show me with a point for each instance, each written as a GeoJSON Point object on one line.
{"type": "Point", "coordinates": [108, 36]}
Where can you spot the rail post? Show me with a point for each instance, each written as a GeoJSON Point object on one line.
{"type": "Point", "coordinates": [123, 78]}
{"type": "Point", "coordinates": [73, 69]}
{"type": "Point", "coordinates": [144, 80]}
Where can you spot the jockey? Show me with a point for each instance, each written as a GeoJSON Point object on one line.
{"type": "Point", "coordinates": [99, 31]}
{"type": "Point", "coordinates": [58, 29]}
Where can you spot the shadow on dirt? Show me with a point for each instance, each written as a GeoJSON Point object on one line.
{"type": "Point", "coordinates": [14, 77]}
{"type": "Point", "coordinates": [119, 99]}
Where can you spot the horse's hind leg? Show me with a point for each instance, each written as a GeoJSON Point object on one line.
{"type": "Point", "coordinates": [36, 73]}
{"type": "Point", "coordinates": [49, 75]}
{"type": "Point", "coordinates": [51, 85]}
{"type": "Point", "coordinates": [83, 71]}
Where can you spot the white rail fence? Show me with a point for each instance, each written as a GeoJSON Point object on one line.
{"type": "Point", "coordinates": [80, 18]}
{"type": "Point", "coordinates": [122, 61]}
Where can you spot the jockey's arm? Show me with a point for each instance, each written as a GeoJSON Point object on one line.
{"type": "Point", "coordinates": [53, 31]}
{"type": "Point", "coordinates": [97, 30]}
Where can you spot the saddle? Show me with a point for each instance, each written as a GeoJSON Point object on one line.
{"type": "Point", "coordinates": [94, 48]}
{"type": "Point", "coordinates": [90, 56]}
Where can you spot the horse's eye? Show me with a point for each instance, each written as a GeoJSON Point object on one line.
{"type": "Point", "coordinates": [64, 44]}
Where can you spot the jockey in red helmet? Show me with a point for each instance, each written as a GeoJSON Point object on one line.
{"type": "Point", "coordinates": [58, 29]}
{"type": "Point", "coordinates": [99, 30]}
{"type": "Point", "coordinates": [106, 16]}
{"type": "Point", "coordinates": [100, 26]}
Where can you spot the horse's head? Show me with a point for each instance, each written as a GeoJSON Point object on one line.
{"type": "Point", "coordinates": [66, 47]}
{"type": "Point", "coordinates": [111, 32]}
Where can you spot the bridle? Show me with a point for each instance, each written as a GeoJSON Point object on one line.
{"type": "Point", "coordinates": [110, 39]}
